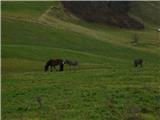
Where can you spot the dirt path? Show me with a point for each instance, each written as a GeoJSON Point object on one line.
{"type": "Point", "coordinates": [42, 17]}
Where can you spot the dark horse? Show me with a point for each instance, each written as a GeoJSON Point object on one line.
{"type": "Point", "coordinates": [53, 63]}
{"type": "Point", "coordinates": [138, 62]}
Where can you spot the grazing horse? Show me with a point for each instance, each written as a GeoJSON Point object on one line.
{"type": "Point", "coordinates": [53, 63]}
{"type": "Point", "coordinates": [138, 62]}
{"type": "Point", "coordinates": [71, 63]}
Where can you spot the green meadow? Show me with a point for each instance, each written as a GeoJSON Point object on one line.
{"type": "Point", "coordinates": [106, 86]}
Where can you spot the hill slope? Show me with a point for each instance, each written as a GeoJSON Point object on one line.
{"type": "Point", "coordinates": [106, 12]}
{"type": "Point", "coordinates": [105, 86]}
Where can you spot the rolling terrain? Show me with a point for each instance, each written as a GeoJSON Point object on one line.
{"type": "Point", "coordinates": [106, 86]}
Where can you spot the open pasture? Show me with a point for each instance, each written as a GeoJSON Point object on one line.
{"type": "Point", "coordinates": [106, 86]}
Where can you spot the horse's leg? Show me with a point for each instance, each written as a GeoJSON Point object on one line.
{"type": "Point", "coordinates": [135, 65]}
{"type": "Point", "coordinates": [70, 67]}
{"type": "Point", "coordinates": [55, 68]}
{"type": "Point", "coordinates": [61, 67]}
{"type": "Point", "coordinates": [76, 67]}
{"type": "Point", "coordinates": [51, 68]}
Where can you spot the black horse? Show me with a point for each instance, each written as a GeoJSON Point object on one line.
{"type": "Point", "coordinates": [53, 63]}
{"type": "Point", "coordinates": [138, 62]}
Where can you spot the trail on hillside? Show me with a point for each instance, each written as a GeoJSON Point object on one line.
{"type": "Point", "coordinates": [52, 21]}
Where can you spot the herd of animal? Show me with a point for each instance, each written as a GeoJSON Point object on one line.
{"type": "Point", "coordinates": [52, 63]}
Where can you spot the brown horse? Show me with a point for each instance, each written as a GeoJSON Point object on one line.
{"type": "Point", "coordinates": [53, 63]}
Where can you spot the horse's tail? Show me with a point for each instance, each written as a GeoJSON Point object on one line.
{"type": "Point", "coordinates": [46, 67]}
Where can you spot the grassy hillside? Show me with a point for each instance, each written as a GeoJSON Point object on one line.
{"type": "Point", "coordinates": [25, 9]}
{"type": "Point", "coordinates": [105, 86]}
{"type": "Point", "coordinates": [147, 13]}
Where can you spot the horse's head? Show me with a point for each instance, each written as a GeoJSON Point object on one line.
{"type": "Point", "coordinates": [65, 61]}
